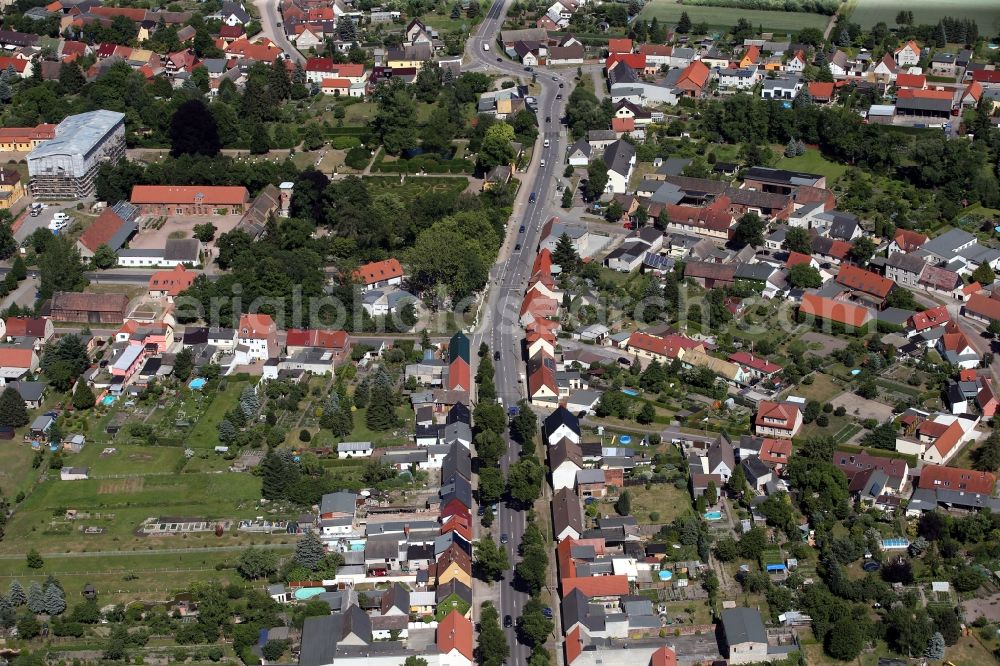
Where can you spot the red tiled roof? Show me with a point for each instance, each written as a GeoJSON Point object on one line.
{"type": "Point", "coordinates": [314, 337]}
{"type": "Point", "coordinates": [455, 633]}
{"type": "Point", "coordinates": [768, 412]}
{"type": "Point", "coordinates": [911, 93]}
{"type": "Point", "coordinates": [931, 429]}
{"type": "Point", "coordinates": [208, 195]}
{"type": "Point", "coordinates": [597, 586]}
{"type": "Point", "coordinates": [696, 73]}
{"type": "Point", "coordinates": [820, 89]}
{"type": "Point", "coordinates": [24, 327]}
{"type": "Point", "coordinates": [574, 646]}
{"type": "Point", "coordinates": [459, 375]}
{"type": "Point", "coordinates": [636, 61]}
{"type": "Point", "coordinates": [379, 270]}
{"type": "Point", "coordinates": [543, 262]}
{"type": "Point", "coordinates": [758, 363]}
{"type": "Point", "coordinates": [851, 463]}
{"type": "Point", "coordinates": [930, 318]}
{"type": "Point", "coordinates": [539, 305]}
{"type": "Point", "coordinates": [776, 451]}
{"type": "Point", "coordinates": [913, 47]}
{"type": "Point", "coordinates": [255, 326]}
{"type": "Point", "coordinates": [662, 50]}
{"type": "Point", "coordinates": [173, 281]}
{"type": "Point", "coordinates": [336, 83]}
{"type": "Point", "coordinates": [955, 478]}
{"type": "Point", "coordinates": [841, 312]}
{"type": "Point", "coordinates": [904, 80]}
{"type": "Point", "coordinates": [984, 306]}
{"type": "Point", "coordinates": [866, 281]}
{"type": "Point", "coordinates": [231, 31]}
{"type": "Point", "coordinates": [664, 656]}
{"type": "Point", "coordinates": [796, 258]}
{"type": "Point", "coordinates": [16, 357]}
{"type": "Point", "coordinates": [263, 51]}
{"type": "Point", "coordinates": [986, 75]}
{"type": "Point", "coordinates": [752, 54]}
{"type": "Point", "coordinates": [623, 124]}
{"type": "Point", "coordinates": [128, 12]}
{"type": "Point", "coordinates": [101, 230]}
{"type": "Point", "coordinates": [619, 46]}
{"type": "Point", "coordinates": [542, 374]}
{"type": "Point", "coordinates": [907, 240]}
{"type": "Point", "coordinates": [974, 90]}
{"type": "Point", "coordinates": [669, 346]}
{"type": "Point", "coordinates": [350, 70]}
{"type": "Point", "coordinates": [951, 437]}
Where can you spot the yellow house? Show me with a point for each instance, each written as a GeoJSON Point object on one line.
{"type": "Point", "coordinates": [25, 139]}
{"type": "Point", "coordinates": [11, 188]}
{"type": "Point", "coordinates": [453, 564]}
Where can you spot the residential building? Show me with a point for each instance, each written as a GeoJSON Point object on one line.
{"type": "Point", "coordinates": [190, 200]}
{"type": "Point", "coordinates": [85, 308]}
{"type": "Point", "coordinates": [777, 419]}
{"type": "Point", "coordinates": [620, 159]}
{"type": "Point", "coordinates": [258, 334]}
{"type": "Point", "coordinates": [380, 274]}
{"type": "Point", "coordinates": [745, 640]}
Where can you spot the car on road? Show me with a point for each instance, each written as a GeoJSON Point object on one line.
{"type": "Point", "coordinates": [546, 143]}
{"type": "Point", "coordinates": [496, 356]}
{"type": "Point", "coordinates": [559, 96]}
{"type": "Point", "coordinates": [517, 248]}
{"type": "Point", "coordinates": [562, 85]}
{"type": "Point", "coordinates": [555, 78]}
{"type": "Point", "coordinates": [499, 59]}
{"type": "Point", "coordinates": [541, 163]}
{"type": "Point", "coordinates": [508, 622]}
{"type": "Point", "coordinates": [547, 612]}
{"type": "Point", "coordinates": [548, 119]}
{"type": "Point", "coordinates": [504, 538]}
{"type": "Point", "coordinates": [533, 197]}
{"type": "Point", "coordinates": [486, 47]}
{"type": "Point", "coordinates": [481, 511]}
{"type": "Point", "coordinates": [521, 230]}
{"type": "Point", "coordinates": [527, 69]}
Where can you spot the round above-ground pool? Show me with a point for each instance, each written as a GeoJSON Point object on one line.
{"type": "Point", "coordinates": [625, 439]}
{"type": "Point", "coordinates": [871, 566]}
{"type": "Point", "coordinates": [197, 383]}
{"type": "Point", "coordinates": [713, 515]}
{"type": "Point", "coordinates": [630, 391]}
{"type": "Point", "coordinates": [666, 575]}
{"type": "Point", "coordinates": [304, 593]}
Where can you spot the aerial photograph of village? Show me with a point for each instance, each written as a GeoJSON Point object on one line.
{"type": "Point", "coordinates": [499, 332]}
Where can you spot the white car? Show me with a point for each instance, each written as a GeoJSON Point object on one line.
{"type": "Point", "coordinates": [60, 217]}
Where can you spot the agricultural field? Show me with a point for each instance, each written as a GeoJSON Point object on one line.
{"type": "Point", "coordinates": [986, 13]}
{"type": "Point", "coordinates": [722, 18]}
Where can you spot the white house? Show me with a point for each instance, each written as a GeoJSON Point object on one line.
{"type": "Point", "coordinates": [620, 159]}
{"type": "Point", "coordinates": [354, 450]}
{"type": "Point", "coordinates": [561, 424]}
{"type": "Point", "coordinates": [908, 55]}
{"type": "Point", "coordinates": [565, 460]}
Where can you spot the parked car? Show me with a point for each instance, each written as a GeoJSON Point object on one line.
{"type": "Point", "coordinates": [508, 622]}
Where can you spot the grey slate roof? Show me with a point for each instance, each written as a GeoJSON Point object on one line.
{"type": "Point", "coordinates": [743, 625]}
{"type": "Point", "coordinates": [618, 157]}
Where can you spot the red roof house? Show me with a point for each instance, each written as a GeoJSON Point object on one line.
{"type": "Point", "coordinates": [777, 419]}
{"type": "Point", "coordinates": [955, 478]}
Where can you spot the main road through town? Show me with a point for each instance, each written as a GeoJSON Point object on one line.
{"type": "Point", "coordinates": [498, 322]}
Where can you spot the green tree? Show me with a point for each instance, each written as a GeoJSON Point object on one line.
{"type": "Point", "coordinates": [491, 559]}
{"type": "Point", "coordinates": [193, 130]}
{"type": "Point", "coordinates": [597, 180]}
{"type": "Point", "coordinates": [798, 240]}
{"type": "Point", "coordinates": [28, 626]}
{"type": "Point", "coordinates": [183, 364]}
{"type": "Point", "coordinates": [983, 274]}
{"type": "Point", "coordinates": [535, 627]}
{"type": "Point", "coordinates": [309, 551]}
{"type": "Point", "coordinates": [36, 597]}
{"type": "Point", "coordinates": [60, 268]}
{"type": "Point", "coordinates": [862, 250]}
{"type": "Point", "coordinates": [204, 232]}
{"type": "Point", "coordinates": [490, 485]}
{"type": "Point", "coordinates": [55, 600]}
{"type": "Point", "coordinates": [395, 121]}
{"type": "Point", "coordinates": [565, 255]}
{"type": "Point", "coordinates": [255, 563]}
{"type": "Point", "coordinates": [647, 414]}
{"type": "Point", "coordinates": [492, 648]}
{"type": "Point", "coordinates": [13, 413]}
{"type": "Point", "coordinates": [524, 480]}
{"type": "Point", "coordinates": [749, 230]}
{"type": "Point", "coordinates": [83, 397]}
{"type": "Point", "coordinates": [624, 504]}
{"type": "Point", "coordinates": [804, 276]}
{"type": "Point", "coordinates": [8, 246]}
{"type": "Point", "coordinates": [71, 78]}
{"type": "Point", "coordinates": [497, 148]}
{"type": "Point", "coordinates": [16, 595]}
{"type": "Point", "coordinates": [846, 640]}
{"type": "Point", "coordinates": [684, 24]}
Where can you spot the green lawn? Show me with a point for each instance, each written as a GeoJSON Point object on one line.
{"type": "Point", "coordinates": [724, 18]}
{"type": "Point", "coordinates": [823, 388]}
{"type": "Point", "coordinates": [813, 162]}
{"type": "Point", "coordinates": [205, 433]}
{"type": "Point", "coordinates": [128, 459]}
{"type": "Point", "coordinates": [986, 13]}
{"type": "Point", "coordinates": [664, 498]}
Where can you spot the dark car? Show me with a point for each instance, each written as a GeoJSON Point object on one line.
{"type": "Point", "coordinates": [527, 69]}
{"type": "Point", "coordinates": [481, 511]}
{"type": "Point", "coordinates": [496, 356]}
{"type": "Point", "coordinates": [533, 197]}
{"type": "Point", "coordinates": [559, 96]}
{"type": "Point", "coordinates": [521, 230]}
{"type": "Point", "coordinates": [504, 538]}
{"type": "Point", "coordinates": [547, 612]}
{"type": "Point", "coordinates": [548, 119]}
{"type": "Point", "coordinates": [517, 248]}
{"type": "Point", "coordinates": [508, 622]}
{"type": "Point", "coordinates": [562, 85]}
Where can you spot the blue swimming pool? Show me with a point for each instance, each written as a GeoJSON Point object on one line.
{"type": "Point", "coordinates": [304, 593]}
{"type": "Point", "coordinates": [713, 515]}
{"type": "Point", "coordinates": [108, 400]}
{"type": "Point", "coordinates": [625, 439]}
{"type": "Point", "coordinates": [197, 384]}
{"type": "Point", "coordinates": [896, 543]}
{"type": "Point", "coordinates": [630, 391]}
{"type": "Point", "coordinates": [666, 575]}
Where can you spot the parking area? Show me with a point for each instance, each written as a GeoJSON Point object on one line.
{"type": "Point", "coordinates": [154, 232]}
{"type": "Point", "coordinates": [30, 224]}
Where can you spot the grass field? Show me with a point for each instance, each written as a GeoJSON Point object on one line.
{"type": "Point", "coordinates": [414, 187]}
{"type": "Point", "coordinates": [664, 498]}
{"type": "Point", "coordinates": [986, 13]}
{"type": "Point", "coordinates": [669, 11]}
{"type": "Point", "coordinates": [813, 162]}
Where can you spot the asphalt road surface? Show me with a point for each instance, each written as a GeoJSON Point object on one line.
{"type": "Point", "coordinates": [499, 326]}
{"type": "Point", "coordinates": [269, 20]}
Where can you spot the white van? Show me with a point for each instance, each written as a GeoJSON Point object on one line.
{"type": "Point", "coordinates": [486, 47]}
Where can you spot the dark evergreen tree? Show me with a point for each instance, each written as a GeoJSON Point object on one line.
{"type": "Point", "coordinates": [193, 130]}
